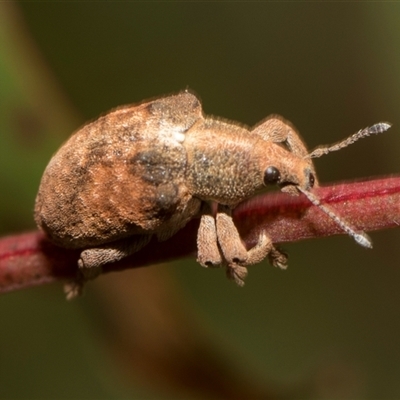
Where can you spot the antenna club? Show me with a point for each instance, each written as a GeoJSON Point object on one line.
{"type": "Point", "coordinates": [379, 127]}
{"type": "Point", "coordinates": [363, 240]}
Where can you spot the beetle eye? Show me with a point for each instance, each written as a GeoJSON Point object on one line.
{"type": "Point", "coordinates": [271, 175]}
{"type": "Point", "coordinates": [311, 179]}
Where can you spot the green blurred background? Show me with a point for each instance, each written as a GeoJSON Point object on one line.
{"type": "Point", "coordinates": [329, 326]}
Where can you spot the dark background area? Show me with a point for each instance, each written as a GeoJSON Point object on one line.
{"type": "Point", "coordinates": [331, 320]}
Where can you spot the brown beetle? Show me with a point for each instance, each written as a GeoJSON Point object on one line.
{"type": "Point", "coordinates": [148, 169]}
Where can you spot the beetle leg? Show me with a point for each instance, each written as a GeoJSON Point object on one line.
{"type": "Point", "coordinates": [235, 253]}
{"type": "Point", "coordinates": [208, 253]}
{"type": "Point", "coordinates": [236, 273]}
{"type": "Point", "coordinates": [261, 250]}
{"type": "Point", "coordinates": [228, 237]}
{"type": "Point", "coordinates": [277, 130]}
{"type": "Point", "coordinates": [277, 258]}
{"type": "Point", "coordinates": [91, 261]}
{"type": "Point", "coordinates": [112, 252]}
{"type": "Point", "coordinates": [265, 248]}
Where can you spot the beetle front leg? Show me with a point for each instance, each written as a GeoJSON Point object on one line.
{"type": "Point", "coordinates": [277, 130]}
{"type": "Point", "coordinates": [265, 248]}
{"type": "Point", "coordinates": [228, 237]}
{"type": "Point", "coordinates": [235, 253]}
{"type": "Point", "coordinates": [277, 258]}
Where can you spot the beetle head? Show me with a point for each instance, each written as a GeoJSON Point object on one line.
{"type": "Point", "coordinates": [289, 172]}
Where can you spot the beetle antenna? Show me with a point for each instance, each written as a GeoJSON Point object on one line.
{"type": "Point", "coordinates": [360, 237]}
{"type": "Point", "coordinates": [371, 130]}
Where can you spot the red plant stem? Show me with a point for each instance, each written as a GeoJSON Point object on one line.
{"type": "Point", "coordinates": [29, 259]}
{"type": "Point", "coordinates": [366, 205]}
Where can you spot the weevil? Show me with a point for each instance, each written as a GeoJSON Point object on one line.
{"type": "Point", "coordinates": [146, 170]}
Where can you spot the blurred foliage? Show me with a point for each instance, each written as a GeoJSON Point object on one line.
{"type": "Point", "coordinates": [331, 320]}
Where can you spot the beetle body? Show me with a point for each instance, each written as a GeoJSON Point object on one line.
{"type": "Point", "coordinates": [148, 169]}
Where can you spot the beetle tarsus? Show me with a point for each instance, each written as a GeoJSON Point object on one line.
{"type": "Point", "coordinates": [236, 273]}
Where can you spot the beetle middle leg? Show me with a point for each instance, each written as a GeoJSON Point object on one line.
{"type": "Point", "coordinates": [208, 252]}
